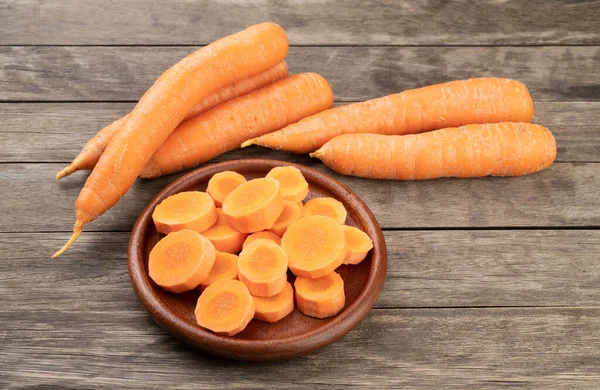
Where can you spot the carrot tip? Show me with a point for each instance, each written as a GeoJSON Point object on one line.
{"type": "Point", "coordinates": [76, 232]}
{"type": "Point", "coordinates": [316, 154]}
{"type": "Point", "coordinates": [66, 171]}
{"type": "Point", "coordinates": [250, 142]}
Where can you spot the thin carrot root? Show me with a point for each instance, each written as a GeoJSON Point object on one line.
{"type": "Point", "coordinates": [193, 210]}
{"type": "Point", "coordinates": [262, 267]}
{"type": "Point", "coordinates": [497, 149]}
{"type": "Point", "coordinates": [225, 307]}
{"type": "Point", "coordinates": [359, 244]}
{"type": "Point", "coordinates": [291, 212]}
{"type": "Point", "coordinates": [264, 235]}
{"type": "Point", "coordinates": [224, 268]}
{"type": "Point", "coordinates": [223, 236]}
{"type": "Point", "coordinates": [327, 207]}
{"type": "Point", "coordinates": [457, 103]}
{"type": "Point", "coordinates": [181, 261]}
{"type": "Point", "coordinates": [315, 246]}
{"type": "Point", "coordinates": [222, 183]}
{"type": "Point", "coordinates": [273, 309]}
{"type": "Point", "coordinates": [77, 229]}
{"type": "Point", "coordinates": [254, 205]}
{"type": "Point", "coordinates": [321, 297]}
{"type": "Point", "coordinates": [66, 171]}
{"type": "Point", "coordinates": [293, 185]}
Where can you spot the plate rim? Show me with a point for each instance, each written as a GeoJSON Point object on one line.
{"type": "Point", "coordinates": [271, 349]}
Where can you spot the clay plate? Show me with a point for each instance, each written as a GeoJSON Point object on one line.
{"type": "Point", "coordinates": [296, 334]}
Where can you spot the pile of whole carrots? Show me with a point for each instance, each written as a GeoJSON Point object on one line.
{"type": "Point", "coordinates": [237, 92]}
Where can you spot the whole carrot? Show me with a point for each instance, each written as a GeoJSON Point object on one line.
{"type": "Point", "coordinates": [457, 103]}
{"type": "Point", "coordinates": [226, 126]}
{"type": "Point", "coordinates": [164, 106]}
{"type": "Point", "coordinates": [91, 152]}
{"type": "Point", "coordinates": [496, 149]}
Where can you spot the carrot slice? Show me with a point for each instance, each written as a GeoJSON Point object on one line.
{"type": "Point", "coordinates": [262, 266]}
{"type": "Point", "coordinates": [181, 261]}
{"type": "Point", "coordinates": [193, 210]}
{"type": "Point", "coordinates": [314, 245]}
{"type": "Point", "coordinates": [264, 235]}
{"type": "Point", "coordinates": [293, 184]}
{"type": "Point", "coordinates": [359, 244]}
{"type": "Point", "coordinates": [224, 268]}
{"type": "Point", "coordinates": [274, 308]}
{"type": "Point", "coordinates": [222, 183]}
{"type": "Point", "coordinates": [254, 206]}
{"type": "Point", "coordinates": [223, 236]}
{"type": "Point", "coordinates": [225, 307]}
{"type": "Point", "coordinates": [321, 297]}
{"type": "Point", "coordinates": [291, 212]}
{"type": "Point", "coordinates": [327, 207]}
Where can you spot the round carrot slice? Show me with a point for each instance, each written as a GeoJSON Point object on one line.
{"type": "Point", "coordinates": [254, 205]}
{"type": "Point", "coordinates": [181, 261]}
{"type": "Point", "coordinates": [225, 267]}
{"type": "Point", "coordinates": [225, 307]}
{"type": "Point", "coordinates": [315, 246]}
{"type": "Point", "coordinates": [291, 212]}
{"type": "Point", "coordinates": [262, 266]}
{"type": "Point", "coordinates": [327, 207]}
{"type": "Point", "coordinates": [274, 308]}
{"type": "Point", "coordinates": [222, 183]}
{"type": "Point", "coordinates": [359, 244]}
{"type": "Point", "coordinates": [293, 184]}
{"type": "Point", "coordinates": [264, 235]}
{"type": "Point", "coordinates": [321, 297]}
{"type": "Point", "coordinates": [224, 237]}
{"type": "Point", "coordinates": [192, 210]}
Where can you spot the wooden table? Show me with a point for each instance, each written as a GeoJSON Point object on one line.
{"type": "Point", "coordinates": [492, 282]}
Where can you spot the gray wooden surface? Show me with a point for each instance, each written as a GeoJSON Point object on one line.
{"type": "Point", "coordinates": [491, 283]}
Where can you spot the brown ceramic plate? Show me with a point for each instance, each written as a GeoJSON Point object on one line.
{"type": "Point", "coordinates": [294, 335]}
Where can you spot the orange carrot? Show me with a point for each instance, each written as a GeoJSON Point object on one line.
{"type": "Point", "coordinates": [273, 309]}
{"type": "Point", "coordinates": [164, 106]}
{"type": "Point", "coordinates": [293, 185]}
{"type": "Point", "coordinates": [192, 210]}
{"type": "Point", "coordinates": [500, 149]}
{"type": "Point", "coordinates": [222, 183]}
{"type": "Point", "coordinates": [457, 103]}
{"type": "Point", "coordinates": [226, 126]}
{"type": "Point", "coordinates": [291, 212]}
{"type": "Point", "coordinates": [181, 261]}
{"type": "Point", "coordinates": [314, 245]}
{"type": "Point", "coordinates": [225, 307]}
{"type": "Point", "coordinates": [327, 207]}
{"type": "Point", "coordinates": [264, 235]}
{"type": "Point", "coordinates": [359, 244]}
{"type": "Point", "coordinates": [223, 236]}
{"type": "Point", "coordinates": [224, 268]}
{"type": "Point", "coordinates": [91, 152]}
{"type": "Point", "coordinates": [254, 206]}
{"type": "Point", "coordinates": [321, 297]}
{"type": "Point", "coordinates": [262, 267]}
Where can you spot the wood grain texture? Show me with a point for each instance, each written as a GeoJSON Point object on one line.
{"type": "Point", "coordinates": [520, 268]}
{"type": "Point", "coordinates": [563, 195]}
{"type": "Point", "coordinates": [55, 132]}
{"type": "Point", "coordinates": [356, 73]}
{"type": "Point", "coordinates": [434, 22]}
{"type": "Point", "coordinates": [428, 348]}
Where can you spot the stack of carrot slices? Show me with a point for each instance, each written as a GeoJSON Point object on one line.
{"type": "Point", "coordinates": [236, 242]}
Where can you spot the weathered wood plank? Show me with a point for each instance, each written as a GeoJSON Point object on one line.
{"type": "Point", "coordinates": [55, 132]}
{"type": "Point", "coordinates": [430, 348]}
{"type": "Point", "coordinates": [426, 269]}
{"type": "Point", "coordinates": [564, 195]}
{"type": "Point", "coordinates": [356, 73]}
{"type": "Point", "coordinates": [353, 22]}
